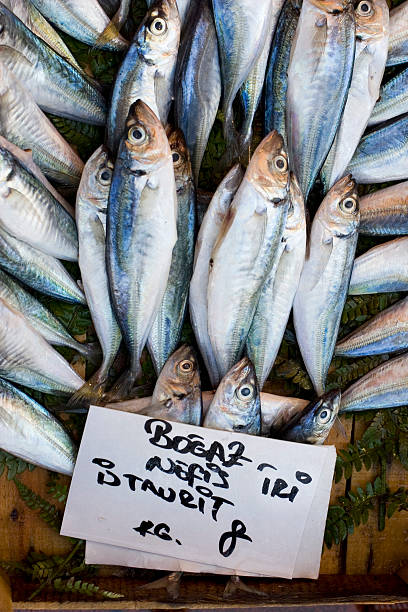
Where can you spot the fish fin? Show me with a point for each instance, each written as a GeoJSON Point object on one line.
{"type": "Point", "coordinates": [171, 583]}
{"type": "Point", "coordinates": [123, 388]}
{"type": "Point", "coordinates": [92, 392]}
{"type": "Point", "coordinates": [90, 350]}
{"type": "Point", "coordinates": [235, 584]}
{"type": "Point", "coordinates": [111, 32]}
{"type": "Point", "coordinates": [319, 40]}
{"type": "Point", "coordinates": [339, 428]}
{"type": "Point", "coordinates": [80, 285]}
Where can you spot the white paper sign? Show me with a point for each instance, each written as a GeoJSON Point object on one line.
{"type": "Point", "coordinates": [223, 499]}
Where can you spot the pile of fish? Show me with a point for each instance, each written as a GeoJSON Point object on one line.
{"type": "Point", "coordinates": [129, 215]}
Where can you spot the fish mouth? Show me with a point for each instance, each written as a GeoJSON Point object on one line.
{"type": "Point", "coordinates": [332, 398]}
{"type": "Point", "coordinates": [332, 7]}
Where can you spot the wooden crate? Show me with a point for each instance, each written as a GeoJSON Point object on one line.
{"type": "Point", "coordinates": [366, 568]}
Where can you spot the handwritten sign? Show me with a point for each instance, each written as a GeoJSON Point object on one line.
{"type": "Point", "coordinates": [233, 501]}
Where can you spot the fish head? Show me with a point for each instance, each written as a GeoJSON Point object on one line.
{"type": "Point", "coordinates": [236, 405]}
{"type": "Point", "coordinates": [180, 156]}
{"type": "Point", "coordinates": [318, 417]}
{"type": "Point", "coordinates": [97, 177]}
{"type": "Point", "coordinates": [268, 169]}
{"type": "Point", "coordinates": [296, 219]}
{"type": "Point", "coordinates": [7, 164]}
{"type": "Point", "coordinates": [339, 211]}
{"type": "Point", "coordinates": [159, 34]}
{"type": "Point", "coordinates": [145, 139]}
{"type": "Point", "coordinates": [372, 17]}
{"type": "Point", "coordinates": [178, 387]}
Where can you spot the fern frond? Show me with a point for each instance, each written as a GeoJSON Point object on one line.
{"type": "Point", "coordinates": [48, 512]}
{"type": "Point", "coordinates": [14, 465]}
{"type": "Point", "coordinates": [83, 588]}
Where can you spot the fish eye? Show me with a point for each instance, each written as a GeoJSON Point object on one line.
{"type": "Point", "coordinates": [177, 159]}
{"type": "Point", "coordinates": [364, 8]}
{"type": "Point", "coordinates": [324, 416]}
{"type": "Point", "coordinates": [239, 427]}
{"type": "Point", "coordinates": [104, 176]}
{"type": "Point", "coordinates": [245, 392]}
{"type": "Point", "coordinates": [280, 163]}
{"type": "Point", "coordinates": [137, 135]}
{"type": "Point", "coordinates": [158, 26]}
{"type": "Point", "coordinates": [348, 205]}
{"type": "Point", "coordinates": [186, 366]}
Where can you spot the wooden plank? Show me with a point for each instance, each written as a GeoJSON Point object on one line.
{"type": "Point", "coordinates": [6, 604]}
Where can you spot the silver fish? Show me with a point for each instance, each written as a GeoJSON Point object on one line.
{"type": "Point", "coordinates": [278, 292]}
{"type": "Point", "coordinates": [91, 208]}
{"type": "Point", "coordinates": [324, 281]}
{"type": "Point", "coordinates": [25, 125]}
{"type": "Point", "coordinates": [165, 332]}
{"type": "Point", "coordinates": [182, 5]}
{"type": "Point", "coordinates": [372, 19]}
{"type": "Point", "coordinates": [385, 212]}
{"type": "Point", "coordinates": [29, 212]}
{"type": "Point", "coordinates": [84, 20]}
{"type": "Point", "coordinates": [236, 405]}
{"type": "Point", "coordinates": [382, 269]}
{"type": "Point", "coordinates": [398, 44]}
{"type": "Point", "coordinates": [55, 85]}
{"type": "Point", "coordinates": [29, 431]}
{"type": "Point", "coordinates": [246, 250]}
{"type": "Point", "coordinates": [27, 359]}
{"type": "Point", "coordinates": [392, 100]}
{"type": "Point", "coordinates": [141, 228]}
{"type": "Point", "coordinates": [319, 76]}
{"type": "Point", "coordinates": [387, 332]}
{"type": "Point", "coordinates": [386, 386]}
{"type": "Point", "coordinates": [207, 236]}
{"type": "Point", "coordinates": [147, 72]}
{"type": "Point", "coordinates": [313, 424]}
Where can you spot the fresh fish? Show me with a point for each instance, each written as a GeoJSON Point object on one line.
{"type": "Point", "coordinates": [278, 292]}
{"type": "Point", "coordinates": [40, 317]}
{"type": "Point", "coordinates": [386, 386]}
{"type": "Point", "coordinates": [398, 44]}
{"type": "Point", "coordinates": [198, 79]}
{"type": "Point", "coordinates": [182, 5]}
{"type": "Point", "coordinates": [392, 100]}
{"type": "Point", "coordinates": [55, 85]}
{"type": "Point", "coordinates": [29, 431]}
{"type": "Point", "coordinates": [177, 393]}
{"type": "Point", "coordinates": [84, 20]}
{"type": "Point", "coordinates": [241, 33]}
{"type": "Point", "coordinates": [276, 81]}
{"type": "Point", "coordinates": [387, 332]}
{"type": "Point", "coordinates": [207, 236]}
{"type": "Point", "coordinates": [141, 228]}
{"type": "Point", "coordinates": [372, 20]}
{"type": "Point", "coordinates": [385, 212]}
{"type": "Point", "coordinates": [382, 269]}
{"type": "Point", "coordinates": [25, 125]}
{"type": "Point", "coordinates": [118, 11]}
{"type": "Point", "coordinates": [91, 208]}
{"type": "Point", "coordinates": [382, 155]}
{"type": "Point", "coordinates": [38, 270]}
{"type": "Point", "coordinates": [29, 212]}
{"type": "Point", "coordinates": [236, 405]}
{"type": "Point", "coordinates": [313, 425]}
{"type": "Point", "coordinates": [27, 359]}
{"type": "Point", "coordinates": [324, 281]}
{"type": "Point", "coordinates": [147, 72]}
{"type": "Point", "coordinates": [165, 332]}
{"type": "Point", "coordinates": [246, 250]}
{"type": "Point", "coordinates": [319, 76]}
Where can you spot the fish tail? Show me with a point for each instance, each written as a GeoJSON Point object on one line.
{"type": "Point", "coordinates": [123, 387]}
{"type": "Point", "coordinates": [92, 392]}
{"type": "Point", "coordinates": [91, 351]}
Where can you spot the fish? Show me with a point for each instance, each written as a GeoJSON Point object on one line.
{"type": "Point", "coordinates": [91, 209]}
{"type": "Point", "coordinates": [24, 124]}
{"type": "Point", "coordinates": [385, 386]}
{"type": "Point", "coordinates": [177, 393]}
{"type": "Point", "coordinates": [276, 79]}
{"type": "Point", "coordinates": [56, 86]}
{"type": "Point", "coordinates": [325, 277]}
{"type": "Point", "coordinates": [141, 228]}
{"type": "Point", "coordinates": [236, 404]}
{"type": "Point", "coordinates": [386, 332]}
{"type": "Point", "coordinates": [27, 359]}
{"type": "Point", "coordinates": [392, 100]}
{"type": "Point", "coordinates": [385, 212]}
{"type": "Point", "coordinates": [165, 332]}
{"type": "Point", "coordinates": [84, 20]}
{"type": "Point", "coordinates": [382, 155]}
{"type": "Point", "coordinates": [40, 318]}
{"type": "Point", "coordinates": [241, 34]}
{"type": "Point", "coordinates": [372, 31]}
{"type": "Point", "coordinates": [37, 270]}
{"type": "Point", "coordinates": [198, 77]}
{"type": "Point", "coordinates": [206, 239]}
{"type": "Point", "coordinates": [278, 292]}
{"type": "Point", "coordinates": [314, 423]}
{"type": "Point", "coordinates": [29, 431]}
{"type": "Point", "coordinates": [398, 43]}
{"type": "Point", "coordinates": [381, 269]}
{"type": "Point", "coordinates": [182, 5]}
{"type": "Point", "coordinates": [246, 249]}
{"type": "Point", "coordinates": [29, 212]}
{"type": "Point", "coordinates": [319, 76]}
{"type": "Point", "coordinates": [147, 71]}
